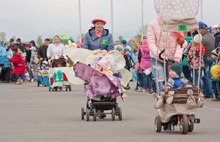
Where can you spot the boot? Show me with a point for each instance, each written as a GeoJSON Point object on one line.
{"type": "Point", "coordinates": [19, 82]}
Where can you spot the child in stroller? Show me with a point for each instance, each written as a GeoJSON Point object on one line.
{"type": "Point", "coordinates": [101, 89]}
{"type": "Point", "coordinates": [58, 78]}
{"type": "Point", "coordinates": [177, 104]}
{"type": "Point", "coordinates": [43, 75]}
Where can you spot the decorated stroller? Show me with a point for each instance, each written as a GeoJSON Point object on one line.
{"type": "Point", "coordinates": [58, 78]}
{"type": "Point", "coordinates": [43, 74]}
{"type": "Point", "coordinates": [101, 91]}
{"type": "Point", "coordinates": [177, 107]}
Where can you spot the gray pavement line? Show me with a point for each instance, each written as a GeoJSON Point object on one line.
{"type": "Point", "coordinates": [211, 108]}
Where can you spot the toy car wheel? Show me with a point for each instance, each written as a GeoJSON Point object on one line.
{"type": "Point", "coordinates": [113, 114]}
{"type": "Point", "coordinates": [82, 113]}
{"type": "Point", "coordinates": [87, 114]}
{"type": "Point", "coordinates": [184, 124]}
{"type": "Point", "coordinates": [158, 124]}
{"type": "Point", "coordinates": [60, 88]}
{"type": "Point", "coordinates": [119, 114]}
{"type": "Point", "coordinates": [94, 114]}
{"type": "Point", "coordinates": [191, 124]}
{"type": "Point", "coordinates": [56, 88]}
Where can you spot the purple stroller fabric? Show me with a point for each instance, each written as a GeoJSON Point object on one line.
{"type": "Point", "coordinates": [97, 83]}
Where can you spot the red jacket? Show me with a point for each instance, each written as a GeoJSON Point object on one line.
{"type": "Point", "coordinates": [19, 64]}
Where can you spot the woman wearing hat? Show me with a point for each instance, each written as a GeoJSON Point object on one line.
{"type": "Point", "coordinates": [19, 65]}
{"type": "Point", "coordinates": [98, 38]}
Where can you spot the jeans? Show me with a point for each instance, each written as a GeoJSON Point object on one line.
{"type": "Point", "coordinates": [159, 69]}
{"type": "Point", "coordinates": [145, 80]}
{"type": "Point", "coordinates": [197, 77]}
{"type": "Point", "coordinates": [207, 87]}
{"type": "Point", "coordinates": [29, 66]}
{"type": "Point", "coordinates": [216, 89]}
{"type": "Point", "coordinates": [187, 73]}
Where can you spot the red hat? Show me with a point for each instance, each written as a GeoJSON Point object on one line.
{"type": "Point", "coordinates": [15, 49]}
{"type": "Point", "coordinates": [98, 19]}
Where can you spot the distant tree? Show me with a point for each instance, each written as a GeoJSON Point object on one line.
{"type": "Point", "coordinates": [3, 36]}
{"type": "Point", "coordinates": [39, 41]}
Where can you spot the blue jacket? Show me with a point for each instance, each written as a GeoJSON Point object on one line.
{"type": "Point", "coordinates": [92, 42]}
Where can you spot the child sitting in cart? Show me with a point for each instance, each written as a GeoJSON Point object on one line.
{"type": "Point", "coordinates": [44, 66]}
{"type": "Point", "coordinates": [175, 80]}
{"type": "Point", "coordinates": [104, 67]}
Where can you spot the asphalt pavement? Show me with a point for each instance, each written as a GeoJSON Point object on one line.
{"type": "Point", "coordinates": [33, 114]}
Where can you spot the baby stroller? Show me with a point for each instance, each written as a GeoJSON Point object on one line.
{"type": "Point", "coordinates": [43, 74]}
{"type": "Point", "coordinates": [177, 108]}
{"type": "Point", "coordinates": [58, 80]}
{"type": "Point", "coordinates": [99, 100]}
{"type": "Point", "coordinates": [5, 69]}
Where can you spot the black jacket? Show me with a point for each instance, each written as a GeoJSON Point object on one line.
{"type": "Point", "coordinates": [129, 63]}
{"type": "Point", "coordinates": [42, 52]}
{"type": "Point", "coordinates": [217, 39]}
{"type": "Point", "coordinates": [28, 56]}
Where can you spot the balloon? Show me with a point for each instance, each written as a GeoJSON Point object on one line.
{"type": "Point", "coordinates": [215, 70]}
{"type": "Point", "coordinates": [64, 34]}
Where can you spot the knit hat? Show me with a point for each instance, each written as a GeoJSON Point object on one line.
{"type": "Point", "coordinates": [197, 38]}
{"type": "Point", "coordinates": [177, 68]}
{"type": "Point", "coordinates": [216, 52]}
{"type": "Point", "coordinates": [18, 40]}
{"type": "Point", "coordinates": [123, 41]}
{"type": "Point", "coordinates": [119, 48]}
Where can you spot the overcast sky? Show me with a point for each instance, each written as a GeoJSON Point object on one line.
{"type": "Point", "coordinates": [30, 18]}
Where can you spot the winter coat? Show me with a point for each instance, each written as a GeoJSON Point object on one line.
{"type": "Point", "coordinates": [19, 64]}
{"type": "Point", "coordinates": [217, 39]}
{"type": "Point", "coordinates": [42, 52]}
{"type": "Point", "coordinates": [168, 41]}
{"type": "Point", "coordinates": [144, 56]}
{"type": "Point", "coordinates": [194, 59]}
{"type": "Point", "coordinates": [55, 49]}
{"type": "Point", "coordinates": [93, 42]}
{"type": "Point", "coordinates": [129, 63]}
{"type": "Point", "coordinates": [208, 41]}
{"type": "Point", "coordinates": [28, 56]}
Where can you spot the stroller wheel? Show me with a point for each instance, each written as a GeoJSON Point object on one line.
{"type": "Point", "coordinates": [113, 114]}
{"type": "Point", "coordinates": [56, 89]}
{"type": "Point", "coordinates": [184, 124]}
{"type": "Point", "coordinates": [60, 88]}
{"type": "Point", "coordinates": [119, 114]}
{"type": "Point", "coordinates": [70, 88]}
{"type": "Point", "coordinates": [38, 83]}
{"type": "Point", "coordinates": [94, 114]}
{"type": "Point", "coordinates": [82, 113]}
{"type": "Point", "coordinates": [87, 114]}
{"type": "Point", "coordinates": [191, 124]}
{"type": "Point", "coordinates": [157, 124]}
{"type": "Point", "coordinates": [49, 89]}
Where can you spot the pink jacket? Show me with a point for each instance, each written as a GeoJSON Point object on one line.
{"type": "Point", "coordinates": [145, 55]}
{"type": "Point", "coordinates": [153, 34]}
